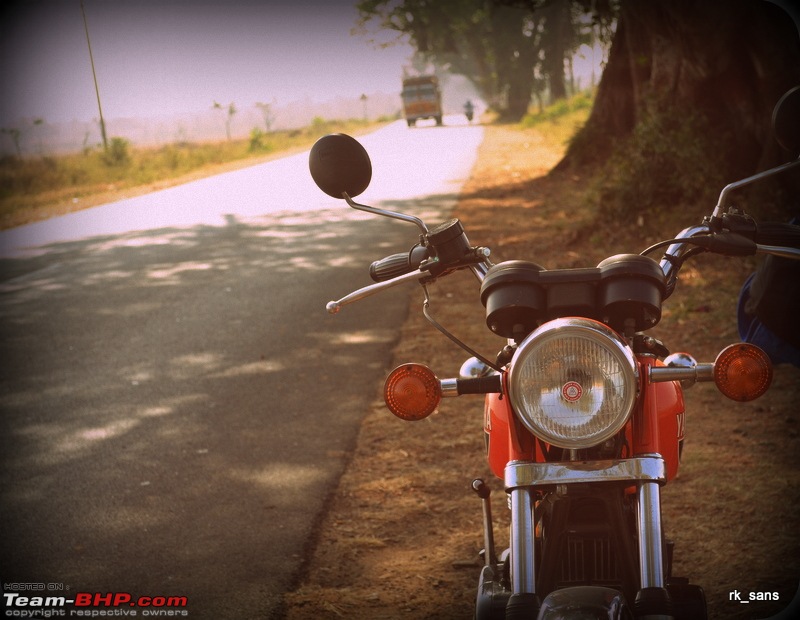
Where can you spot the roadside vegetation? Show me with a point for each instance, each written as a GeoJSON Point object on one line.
{"type": "Point", "coordinates": [37, 187]}
{"type": "Point", "coordinates": [558, 123]}
{"type": "Point", "coordinates": [561, 112]}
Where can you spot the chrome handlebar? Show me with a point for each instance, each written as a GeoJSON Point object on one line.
{"type": "Point", "coordinates": [670, 263]}
{"type": "Point", "coordinates": [333, 307]}
{"type": "Point", "coordinates": [672, 257]}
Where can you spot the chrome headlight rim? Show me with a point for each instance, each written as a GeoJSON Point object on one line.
{"type": "Point", "coordinates": [600, 334]}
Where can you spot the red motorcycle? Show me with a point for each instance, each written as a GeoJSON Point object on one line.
{"type": "Point", "coordinates": [584, 412]}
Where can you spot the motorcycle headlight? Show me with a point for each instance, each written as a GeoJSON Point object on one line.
{"type": "Point", "coordinates": [573, 382]}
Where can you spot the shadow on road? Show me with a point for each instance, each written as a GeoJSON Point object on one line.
{"type": "Point", "coordinates": [177, 405]}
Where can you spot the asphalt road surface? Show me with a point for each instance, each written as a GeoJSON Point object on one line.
{"type": "Point", "coordinates": [176, 404]}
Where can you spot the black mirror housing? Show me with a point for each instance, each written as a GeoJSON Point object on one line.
{"type": "Point", "coordinates": [340, 165]}
{"type": "Point", "coordinates": [786, 121]}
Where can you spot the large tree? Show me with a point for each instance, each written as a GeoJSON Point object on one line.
{"type": "Point", "coordinates": [558, 37]}
{"type": "Point", "coordinates": [687, 92]}
{"type": "Point", "coordinates": [717, 67]}
{"type": "Point", "coordinates": [501, 46]}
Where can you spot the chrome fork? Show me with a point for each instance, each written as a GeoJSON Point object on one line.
{"type": "Point", "coordinates": [647, 472]}
{"type": "Point", "coordinates": [651, 556]}
{"type": "Point", "coordinates": [523, 576]}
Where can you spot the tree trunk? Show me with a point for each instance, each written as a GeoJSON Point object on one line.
{"type": "Point", "coordinates": [515, 56]}
{"type": "Point", "coordinates": [729, 62]}
{"type": "Point", "coordinates": [555, 42]}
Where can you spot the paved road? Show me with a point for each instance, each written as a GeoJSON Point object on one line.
{"type": "Point", "coordinates": [176, 405]}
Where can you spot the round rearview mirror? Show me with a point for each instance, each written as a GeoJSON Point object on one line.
{"type": "Point", "coordinates": [786, 121]}
{"type": "Point", "coordinates": [339, 164]}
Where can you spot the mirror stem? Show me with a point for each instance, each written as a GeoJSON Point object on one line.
{"type": "Point", "coordinates": [398, 216]}
{"type": "Point", "coordinates": [723, 197]}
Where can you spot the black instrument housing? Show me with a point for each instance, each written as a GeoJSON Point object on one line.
{"type": "Point", "coordinates": [624, 291]}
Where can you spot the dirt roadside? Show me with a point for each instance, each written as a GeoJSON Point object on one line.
{"type": "Point", "coordinates": [403, 531]}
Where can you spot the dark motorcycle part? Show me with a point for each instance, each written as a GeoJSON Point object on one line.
{"type": "Point", "coordinates": [585, 602]}
{"type": "Point", "coordinates": [764, 233]}
{"type": "Point", "coordinates": [655, 602]}
{"type": "Point", "coordinates": [778, 233]}
{"type": "Point", "coordinates": [340, 165]}
{"type": "Point", "coordinates": [688, 600]}
{"type": "Point", "coordinates": [398, 264]}
{"type": "Point", "coordinates": [738, 222]}
{"type": "Point", "coordinates": [622, 291]}
{"type": "Point", "coordinates": [492, 596]}
{"type": "Point", "coordinates": [483, 491]}
{"type": "Point", "coordinates": [492, 384]}
{"type": "Point", "coordinates": [727, 244]}
{"type": "Point", "coordinates": [449, 242]}
{"type": "Point", "coordinates": [522, 606]}
{"type": "Point", "coordinates": [513, 297]}
{"type": "Point", "coordinates": [588, 542]}
{"type": "Point", "coordinates": [786, 121]}
{"type": "Point", "coordinates": [631, 288]}
{"type": "Point", "coordinates": [644, 345]}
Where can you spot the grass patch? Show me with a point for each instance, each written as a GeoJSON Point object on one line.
{"type": "Point", "coordinates": [30, 185]}
{"type": "Point", "coordinates": [558, 123]}
{"type": "Point", "coordinates": [561, 109]}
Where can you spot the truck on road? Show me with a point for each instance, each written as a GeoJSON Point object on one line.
{"type": "Point", "coordinates": [422, 99]}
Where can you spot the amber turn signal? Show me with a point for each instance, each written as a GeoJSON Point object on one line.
{"type": "Point", "coordinates": [742, 372]}
{"type": "Point", "coordinates": [412, 392]}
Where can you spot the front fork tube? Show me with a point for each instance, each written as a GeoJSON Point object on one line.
{"type": "Point", "coordinates": [523, 573]}
{"type": "Point", "coordinates": [651, 556]}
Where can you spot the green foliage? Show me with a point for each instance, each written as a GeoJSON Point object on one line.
{"type": "Point", "coordinates": [256, 139]}
{"type": "Point", "coordinates": [560, 109]}
{"type": "Point", "coordinates": [118, 152]}
{"type": "Point", "coordinates": [499, 46]}
{"type": "Point", "coordinates": [558, 123]}
{"type": "Point", "coordinates": [30, 182]}
{"type": "Point", "coordinates": [14, 134]}
{"type": "Point", "coordinates": [592, 144]}
{"type": "Point", "coordinates": [319, 125]}
{"type": "Point", "coordinates": [673, 159]}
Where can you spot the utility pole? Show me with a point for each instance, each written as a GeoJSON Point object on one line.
{"type": "Point", "coordinates": [94, 75]}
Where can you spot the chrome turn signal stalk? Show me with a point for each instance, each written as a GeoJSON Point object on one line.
{"type": "Point", "coordinates": [742, 371]}
{"type": "Point", "coordinates": [682, 367]}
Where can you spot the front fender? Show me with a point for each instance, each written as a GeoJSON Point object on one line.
{"type": "Point", "coordinates": [585, 603]}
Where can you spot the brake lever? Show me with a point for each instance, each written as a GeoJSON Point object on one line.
{"type": "Point", "coordinates": [333, 307]}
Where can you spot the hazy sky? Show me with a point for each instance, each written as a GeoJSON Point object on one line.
{"type": "Point", "coordinates": [157, 57]}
